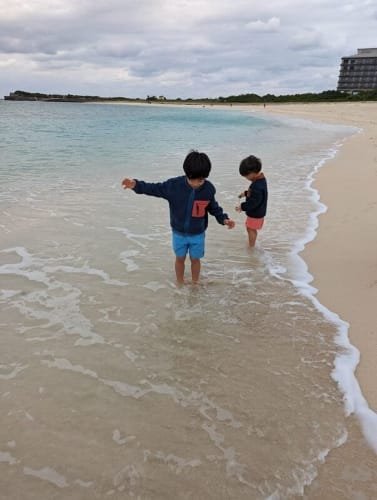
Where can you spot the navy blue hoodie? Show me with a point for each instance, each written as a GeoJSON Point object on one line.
{"type": "Point", "coordinates": [256, 199]}
{"type": "Point", "coordinates": [189, 207]}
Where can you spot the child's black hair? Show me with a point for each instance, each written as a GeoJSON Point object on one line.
{"type": "Point", "coordinates": [249, 165]}
{"type": "Point", "coordinates": [197, 165]}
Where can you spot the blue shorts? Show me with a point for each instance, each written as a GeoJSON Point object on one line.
{"type": "Point", "coordinates": [191, 243]}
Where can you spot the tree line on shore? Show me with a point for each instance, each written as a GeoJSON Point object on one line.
{"type": "Point", "coordinates": [325, 96]}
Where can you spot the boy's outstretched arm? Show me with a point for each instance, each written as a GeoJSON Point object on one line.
{"type": "Point", "coordinates": [158, 189]}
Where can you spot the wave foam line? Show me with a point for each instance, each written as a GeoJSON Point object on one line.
{"type": "Point", "coordinates": [345, 363]}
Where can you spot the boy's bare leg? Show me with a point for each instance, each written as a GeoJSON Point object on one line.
{"type": "Point", "coordinates": [195, 270]}
{"type": "Point", "coordinates": [180, 269]}
{"type": "Point", "coordinates": [252, 234]}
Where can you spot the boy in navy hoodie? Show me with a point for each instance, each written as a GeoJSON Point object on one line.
{"type": "Point", "coordinates": [191, 198]}
{"type": "Point", "coordinates": [256, 196]}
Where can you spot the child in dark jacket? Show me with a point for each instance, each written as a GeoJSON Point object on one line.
{"type": "Point", "coordinates": [191, 198]}
{"type": "Point", "coordinates": [256, 196]}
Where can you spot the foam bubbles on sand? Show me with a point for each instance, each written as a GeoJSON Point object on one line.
{"type": "Point", "coordinates": [125, 257]}
{"type": "Point", "coordinates": [154, 286]}
{"type": "Point", "coordinates": [176, 464]}
{"type": "Point", "coordinates": [122, 440]}
{"type": "Point", "coordinates": [13, 370]}
{"type": "Point", "coordinates": [48, 474]}
{"type": "Point", "coordinates": [6, 457]}
{"type": "Point", "coordinates": [48, 300]}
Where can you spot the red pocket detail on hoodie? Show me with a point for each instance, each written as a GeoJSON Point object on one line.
{"type": "Point", "coordinates": [199, 208]}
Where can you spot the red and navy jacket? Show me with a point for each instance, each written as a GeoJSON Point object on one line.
{"type": "Point", "coordinates": [256, 198]}
{"type": "Point", "coordinates": [189, 208]}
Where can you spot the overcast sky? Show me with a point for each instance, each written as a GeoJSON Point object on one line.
{"type": "Point", "coordinates": [179, 48]}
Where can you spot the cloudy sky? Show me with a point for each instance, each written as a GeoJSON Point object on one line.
{"type": "Point", "coordinates": [179, 48]}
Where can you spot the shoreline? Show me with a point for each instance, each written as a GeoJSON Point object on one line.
{"type": "Point", "coordinates": [341, 257]}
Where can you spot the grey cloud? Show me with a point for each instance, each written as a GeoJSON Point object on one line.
{"type": "Point", "coordinates": [178, 47]}
{"type": "Point", "coordinates": [121, 49]}
{"type": "Point", "coordinates": [269, 26]}
{"type": "Point", "coordinates": [306, 39]}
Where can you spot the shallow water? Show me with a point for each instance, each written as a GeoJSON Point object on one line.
{"type": "Point", "coordinates": [115, 383]}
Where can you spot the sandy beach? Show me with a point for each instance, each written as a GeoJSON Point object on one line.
{"type": "Point", "coordinates": [342, 260]}
{"type": "Point", "coordinates": [221, 391]}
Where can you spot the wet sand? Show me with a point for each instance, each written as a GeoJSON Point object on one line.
{"type": "Point", "coordinates": [342, 260]}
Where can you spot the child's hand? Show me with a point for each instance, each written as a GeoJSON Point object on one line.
{"type": "Point", "coordinates": [242, 195]}
{"type": "Point", "coordinates": [230, 223]}
{"type": "Point", "coordinates": [238, 209]}
{"type": "Point", "coordinates": [128, 183]}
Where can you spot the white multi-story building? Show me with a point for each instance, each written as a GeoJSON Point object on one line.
{"type": "Point", "coordinates": [359, 72]}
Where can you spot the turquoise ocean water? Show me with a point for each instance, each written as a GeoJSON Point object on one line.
{"type": "Point", "coordinates": [113, 382]}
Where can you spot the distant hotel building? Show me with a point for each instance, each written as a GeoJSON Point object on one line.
{"type": "Point", "coordinates": [358, 72]}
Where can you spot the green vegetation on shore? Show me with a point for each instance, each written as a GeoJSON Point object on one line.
{"type": "Point", "coordinates": [325, 96]}
{"type": "Point", "coordinates": [21, 95]}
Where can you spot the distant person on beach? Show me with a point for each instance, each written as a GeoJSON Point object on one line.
{"type": "Point", "coordinates": [255, 204]}
{"type": "Point", "coordinates": [191, 198]}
